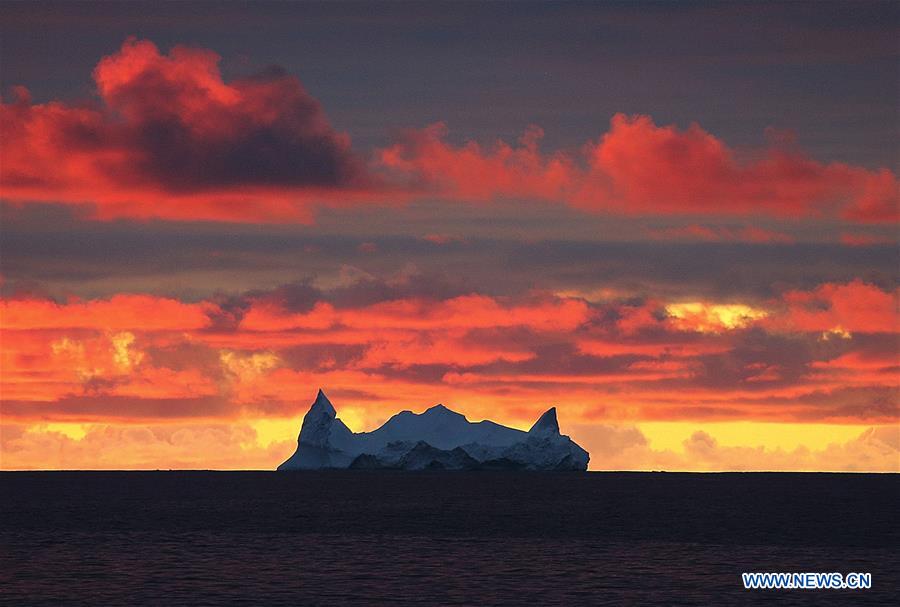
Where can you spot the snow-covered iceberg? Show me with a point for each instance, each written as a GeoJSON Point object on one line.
{"type": "Point", "coordinates": [435, 439]}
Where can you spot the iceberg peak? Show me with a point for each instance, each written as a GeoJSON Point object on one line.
{"type": "Point", "coordinates": [440, 410]}
{"type": "Point", "coordinates": [546, 423]}
{"type": "Point", "coordinates": [323, 404]}
{"type": "Point", "coordinates": [320, 423]}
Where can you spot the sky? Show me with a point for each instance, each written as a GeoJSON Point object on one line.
{"type": "Point", "coordinates": [675, 222]}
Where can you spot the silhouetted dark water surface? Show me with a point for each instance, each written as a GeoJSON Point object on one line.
{"type": "Point", "coordinates": [351, 537]}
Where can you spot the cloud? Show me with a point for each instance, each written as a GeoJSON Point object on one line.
{"type": "Point", "coordinates": [851, 307]}
{"type": "Point", "coordinates": [154, 447]}
{"type": "Point", "coordinates": [623, 447]}
{"type": "Point", "coordinates": [823, 354]}
{"type": "Point", "coordinates": [463, 312]}
{"type": "Point", "coordinates": [125, 311]}
{"type": "Point", "coordinates": [181, 400]}
{"type": "Point", "coordinates": [705, 233]}
{"type": "Point", "coordinates": [470, 172]}
{"type": "Point", "coordinates": [168, 138]}
{"type": "Point", "coordinates": [875, 450]}
{"type": "Point", "coordinates": [857, 239]}
{"type": "Point", "coordinates": [711, 317]}
{"type": "Point", "coordinates": [171, 139]}
{"type": "Point", "coordinates": [241, 446]}
{"type": "Point", "coordinates": [640, 168]}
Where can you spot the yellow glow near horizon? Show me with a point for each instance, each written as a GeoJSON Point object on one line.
{"type": "Point", "coordinates": [771, 435]}
{"type": "Point", "coordinates": [273, 430]}
{"type": "Point", "coordinates": [711, 318]}
{"type": "Point", "coordinates": [73, 431]}
{"type": "Point", "coordinates": [661, 435]}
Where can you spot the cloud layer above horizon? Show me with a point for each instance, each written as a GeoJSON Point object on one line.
{"type": "Point", "coordinates": [188, 257]}
{"type": "Point", "coordinates": [170, 139]}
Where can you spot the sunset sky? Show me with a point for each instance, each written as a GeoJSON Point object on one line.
{"type": "Point", "coordinates": [675, 222]}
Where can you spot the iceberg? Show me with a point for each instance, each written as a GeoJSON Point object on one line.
{"type": "Point", "coordinates": [436, 439]}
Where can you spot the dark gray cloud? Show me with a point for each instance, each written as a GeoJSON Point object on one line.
{"type": "Point", "coordinates": [48, 250]}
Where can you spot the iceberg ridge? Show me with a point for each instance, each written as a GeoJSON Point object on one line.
{"type": "Point", "coordinates": [437, 438]}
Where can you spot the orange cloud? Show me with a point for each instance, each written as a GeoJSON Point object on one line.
{"type": "Point", "coordinates": [474, 173]}
{"type": "Point", "coordinates": [171, 139]}
{"type": "Point", "coordinates": [667, 348]}
{"type": "Point", "coordinates": [851, 307]}
{"type": "Point", "coordinates": [49, 365]}
{"type": "Point", "coordinates": [145, 312]}
{"type": "Point", "coordinates": [820, 355]}
{"type": "Point", "coordinates": [441, 349]}
{"type": "Point", "coordinates": [859, 368]}
{"type": "Point", "coordinates": [638, 167]}
{"type": "Point", "coordinates": [464, 312]}
{"type": "Point", "coordinates": [708, 317]}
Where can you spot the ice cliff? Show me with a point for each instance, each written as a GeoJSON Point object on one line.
{"type": "Point", "coordinates": [435, 439]}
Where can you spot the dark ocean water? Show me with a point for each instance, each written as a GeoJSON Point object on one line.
{"type": "Point", "coordinates": [439, 538]}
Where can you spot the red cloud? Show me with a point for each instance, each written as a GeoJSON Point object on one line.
{"type": "Point", "coordinates": [721, 234]}
{"type": "Point", "coordinates": [463, 312]}
{"type": "Point", "coordinates": [852, 239]}
{"type": "Point", "coordinates": [473, 173]}
{"type": "Point", "coordinates": [171, 139]}
{"type": "Point", "coordinates": [852, 307]}
{"type": "Point", "coordinates": [640, 168]}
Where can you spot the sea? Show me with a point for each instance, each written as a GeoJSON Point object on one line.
{"type": "Point", "coordinates": [441, 538]}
